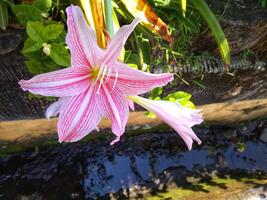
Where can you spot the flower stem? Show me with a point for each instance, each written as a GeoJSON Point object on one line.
{"type": "Point", "coordinates": [108, 16]}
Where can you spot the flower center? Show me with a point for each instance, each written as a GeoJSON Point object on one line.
{"type": "Point", "coordinates": [101, 74]}
{"type": "Point", "coordinates": [95, 72]}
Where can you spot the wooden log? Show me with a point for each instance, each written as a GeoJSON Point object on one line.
{"type": "Point", "coordinates": [218, 113]}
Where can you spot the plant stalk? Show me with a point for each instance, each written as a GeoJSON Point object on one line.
{"type": "Point", "coordinates": [108, 17]}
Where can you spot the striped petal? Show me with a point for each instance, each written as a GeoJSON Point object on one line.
{"type": "Point", "coordinates": [133, 82]}
{"type": "Point", "coordinates": [179, 118]}
{"type": "Point", "coordinates": [66, 82]}
{"type": "Point", "coordinates": [78, 116]}
{"type": "Point", "coordinates": [53, 110]}
{"type": "Point", "coordinates": [81, 39]}
{"type": "Point", "coordinates": [116, 45]}
{"type": "Point", "coordinates": [113, 105]}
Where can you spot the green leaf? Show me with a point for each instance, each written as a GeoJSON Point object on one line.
{"type": "Point", "coordinates": [3, 16]}
{"type": "Point", "coordinates": [215, 27]}
{"type": "Point", "coordinates": [144, 45]}
{"type": "Point", "coordinates": [30, 46]}
{"type": "Point", "coordinates": [183, 6]}
{"type": "Point", "coordinates": [44, 65]}
{"type": "Point", "coordinates": [131, 58]}
{"type": "Point", "coordinates": [34, 66]}
{"type": "Point", "coordinates": [50, 65]}
{"type": "Point", "coordinates": [35, 55]}
{"type": "Point", "coordinates": [43, 5]}
{"type": "Point", "coordinates": [53, 31]}
{"type": "Point", "coordinates": [181, 97]}
{"type": "Point", "coordinates": [36, 31]}
{"type": "Point", "coordinates": [150, 114]}
{"type": "Point", "coordinates": [156, 92]}
{"type": "Point", "coordinates": [178, 95]}
{"type": "Point", "coordinates": [26, 13]}
{"type": "Point", "coordinates": [186, 103]}
{"type": "Point", "coordinates": [40, 33]}
{"type": "Point", "coordinates": [60, 55]}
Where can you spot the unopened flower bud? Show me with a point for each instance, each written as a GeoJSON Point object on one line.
{"type": "Point", "coordinates": [46, 48]}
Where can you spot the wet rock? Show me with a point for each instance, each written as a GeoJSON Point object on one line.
{"type": "Point", "coordinates": [263, 136]}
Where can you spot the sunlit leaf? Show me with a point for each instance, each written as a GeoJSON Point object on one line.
{"type": "Point", "coordinates": [141, 9]}
{"type": "Point", "coordinates": [181, 97]}
{"type": "Point", "coordinates": [183, 6]}
{"type": "Point", "coordinates": [156, 92]}
{"type": "Point", "coordinates": [94, 15]}
{"type": "Point", "coordinates": [215, 27]}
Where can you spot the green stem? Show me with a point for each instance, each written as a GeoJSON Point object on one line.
{"type": "Point", "coordinates": [108, 16]}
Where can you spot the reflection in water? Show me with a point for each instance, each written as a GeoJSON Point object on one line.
{"type": "Point", "coordinates": [126, 171]}
{"type": "Point", "coordinates": [148, 162]}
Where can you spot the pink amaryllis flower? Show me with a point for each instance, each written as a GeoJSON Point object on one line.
{"type": "Point", "coordinates": [96, 85]}
{"type": "Point", "coordinates": [179, 118]}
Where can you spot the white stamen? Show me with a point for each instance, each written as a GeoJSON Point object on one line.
{"type": "Point", "coordinates": [102, 78]}
{"type": "Point", "coordinates": [116, 78]}
{"type": "Point", "coordinates": [99, 74]}
{"type": "Point", "coordinates": [108, 75]}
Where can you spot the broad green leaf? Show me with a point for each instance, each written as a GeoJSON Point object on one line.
{"type": "Point", "coordinates": [26, 13]}
{"type": "Point", "coordinates": [156, 92]}
{"type": "Point", "coordinates": [34, 55]}
{"type": "Point", "coordinates": [36, 31]}
{"type": "Point", "coordinates": [53, 31]}
{"type": "Point", "coordinates": [186, 103]}
{"type": "Point", "coordinates": [41, 66]}
{"type": "Point", "coordinates": [183, 6]}
{"type": "Point", "coordinates": [50, 65]}
{"type": "Point", "coordinates": [181, 97]}
{"type": "Point", "coordinates": [3, 16]}
{"type": "Point", "coordinates": [43, 5]}
{"type": "Point", "coordinates": [30, 46]}
{"type": "Point", "coordinates": [215, 27]}
{"type": "Point", "coordinates": [60, 38]}
{"type": "Point", "coordinates": [40, 33]}
{"type": "Point", "coordinates": [178, 95]}
{"type": "Point", "coordinates": [34, 66]}
{"type": "Point", "coordinates": [60, 55]}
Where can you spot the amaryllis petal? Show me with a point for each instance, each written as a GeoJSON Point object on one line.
{"type": "Point", "coordinates": [179, 118]}
{"type": "Point", "coordinates": [78, 116]}
{"type": "Point", "coordinates": [53, 110]}
{"type": "Point", "coordinates": [81, 39]}
{"type": "Point", "coordinates": [113, 105]}
{"type": "Point", "coordinates": [116, 45]}
{"type": "Point", "coordinates": [66, 82]}
{"type": "Point", "coordinates": [131, 104]}
{"type": "Point", "coordinates": [134, 82]}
